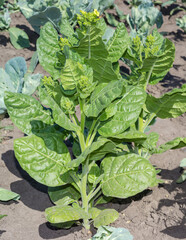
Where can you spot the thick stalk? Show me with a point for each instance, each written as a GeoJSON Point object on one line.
{"type": "Point", "coordinates": [84, 193]}
{"type": "Point", "coordinates": [148, 76]}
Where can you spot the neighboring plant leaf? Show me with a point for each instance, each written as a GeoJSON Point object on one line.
{"type": "Point", "coordinates": [2, 216]}
{"type": "Point", "coordinates": [6, 195]}
{"type": "Point", "coordinates": [44, 158]}
{"type": "Point", "coordinates": [122, 172]}
{"type": "Point", "coordinates": [50, 14]}
{"type": "Point", "coordinates": [18, 38]}
{"type": "Point", "coordinates": [111, 233]}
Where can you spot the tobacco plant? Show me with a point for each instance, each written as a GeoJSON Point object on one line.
{"type": "Point", "coordinates": [109, 144]}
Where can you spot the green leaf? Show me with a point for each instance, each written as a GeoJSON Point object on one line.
{"type": "Point", "coordinates": [130, 136]}
{"type": "Point", "coordinates": [63, 195]}
{"type": "Point", "coordinates": [44, 158]}
{"type": "Point", "coordinates": [106, 217]}
{"type": "Point", "coordinates": [91, 44]}
{"type": "Point", "coordinates": [170, 105]}
{"type": "Point", "coordinates": [72, 73]}
{"type": "Point", "coordinates": [59, 116]}
{"type": "Point", "coordinates": [31, 82]}
{"type": "Point", "coordinates": [159, 65]}
{"type": "Point", "coordinates": [103, 199]}
{"type": "Point", "coordinates": [102, 96]}
{"type": "Point", "coordinates": [103, 70]}
{"type": "Point", "coordinates": [94, 173]}
{"type": "Point", "coordinates": [47, 47]}
{"type": "Point", "coordinates": [50, 14]}
{"type": "Point", "coordinates": [67, 30]}
{"type": "Point", "coordinates": [174, 144]}
{"type": "Point", "coordinates": [151, 141]}
{"type": "Point", "coordinates": [111, 233]}
{"type": "Point", "coordinates": [24, 109]}
{"type": "Point", "coordinates": [98, 145]}
{"type": "Point", "coordinates": [2, 216]}
{"type": "Point", "coordinates": [94, 212]}
{"type": "Point", "coordinates": [111, 19]}
{"type": "Point", "coordinates": [128, 110]}
{"type": "Point", "coordinates": [182, 178]}
{"type": "Point", "coordinates": [61, 214]}
{"type": "Point", "coordinates": [118, 43]}
{"type": "Point", "coordinates": [183, 163]}
{"type": "Point", "coordinates": [6, 195]}
{"type": "Point", "coordinates": [127, 175]}
{"type": "Point", "coordinates": [18, 38]}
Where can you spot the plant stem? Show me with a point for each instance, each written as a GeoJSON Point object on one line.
{"type": "Point", "coordinates": [90, 132]}
{"type": "Point", "coordinates": [148, 76]}
{"type": "Point", "coordinates": [152, 115]}
{"type": "Point", "coordinates": [84, 193]}
{"type": "Point", "coordinates": [93, 194]}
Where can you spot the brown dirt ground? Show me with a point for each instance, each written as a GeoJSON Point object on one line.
{"type": "Point", "coordinates": [157, 213]}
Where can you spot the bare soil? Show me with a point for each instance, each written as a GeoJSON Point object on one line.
{"type": "Point", "coordinates": [155, 214]}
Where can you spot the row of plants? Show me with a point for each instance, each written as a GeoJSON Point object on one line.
{"type": "Point", "coordinates": [143, 15]}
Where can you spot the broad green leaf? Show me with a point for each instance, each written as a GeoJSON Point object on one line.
{"type": "Point", "coordinates": [91, 44]}
{"type": "Point", "coordinates": [174, 144]}
{"type": "Point", "coordinates": [127, 175]}
{"type": "Point", "coordinates": [50, 14]}
{"type": "Point", "coordinates": [170, 105]}
{"type": "Point", "coordinates": [94, 212]}
{"type": "Point", "coordinates": [72, 73]}
{"type": "Point", "coordinates": [47, 47]}
{"type": "Point", "coordinates": [31, 82]}
{"type": "Point", "coordinates": [111, 19]}
{"type": "Point", "coordinates": [117, 45]}
{"type": "Point", "coordinates": [18, 38]}
{"type": "Point", "coordinates": [106, 217]}
{"type": "Point", "coordinates": [59, 116]}
{"type": "Point", "coordinates": [159, 65]}
{"type": "Point", "coordinates": [24, 109]}
{"type": "Point", "coordinates": [102, 96]}
{"type": "Point", "coordinates": [63, 195]}
{"type": "Point", "coordinates": [130, 136]}
{"type": "Point", "coordinates": [6, 195]}
{"type": "Point", "coordinates": [151, 141]}
{"type": "Point", "coordinates": [98, 145]}
{"type": "Point", "coordinates": [67, 30]}
{"type": "Point", "coordinates": [108, 147]}
{"type": "Point", "coordinates": [94, 173]}
{"type": "Point", "coordinates": [128, 110]}
{"type": "Point", "coordinates": [16, 69]}
{"type": "Point", "coordinates": [44, 158]}
{"type": "Point", "coordinates": [61, 214]}
{"type": "Point", "coordinates": [103, 70]}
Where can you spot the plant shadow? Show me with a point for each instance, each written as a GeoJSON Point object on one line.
{"type": "Point", "coordinates": [33, 194]}
{"type": "Point", "coordinates": [178, 229]}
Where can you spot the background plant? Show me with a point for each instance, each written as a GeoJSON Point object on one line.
{"type": "Point", "coordinates": [17, 78]}
{"type": "Point", "coordinates": [109, 142]}
{"type": "Point", "coordinates": [18, 37]}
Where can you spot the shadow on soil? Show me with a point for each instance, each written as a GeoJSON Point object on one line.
{"type": "Point", "coordinates": [46, 231]}
{"type": "Point", "coordinates": [33, 194]}
{"type": "Point", "coordinates": [177, 231]}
